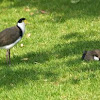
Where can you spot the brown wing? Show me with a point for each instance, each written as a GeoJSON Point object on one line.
{"type": "Point", "coordinates": [9, 35]}
{"type": "Point", "coordinates": [89, 55]}
{"type": "Point", "coordinates": [97, 53]}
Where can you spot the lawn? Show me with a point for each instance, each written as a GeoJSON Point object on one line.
{"type": "Point", "coordinates": [48, 66]}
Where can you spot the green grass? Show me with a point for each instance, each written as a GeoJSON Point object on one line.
{"type": "Point", "coordinates": [54, 69]}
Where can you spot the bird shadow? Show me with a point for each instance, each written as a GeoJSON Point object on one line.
{"type": "Point", "coordinates": [29, 58]}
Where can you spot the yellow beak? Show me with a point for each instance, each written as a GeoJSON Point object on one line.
{"type": "Point", "coordinates": [25, 21]}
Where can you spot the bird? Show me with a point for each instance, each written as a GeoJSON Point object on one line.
{"type": "Point", "coordinates": [91, 55]}
{"type": "Point", "coordinates": [11, 36]}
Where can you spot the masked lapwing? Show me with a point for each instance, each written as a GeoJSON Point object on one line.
{"type": "Point", "coordinates": [91, 55]}
{"type": "Point", "coordinates": [11, 36]}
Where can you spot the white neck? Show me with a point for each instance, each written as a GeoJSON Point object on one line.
{"type": "Point", "coordinates": [22, 26]}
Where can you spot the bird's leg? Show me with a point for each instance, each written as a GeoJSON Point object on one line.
{"type": "Point", "coordinates": [9, 56]}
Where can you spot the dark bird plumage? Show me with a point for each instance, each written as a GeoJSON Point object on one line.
{"type": "Point", "coordinates": [6, 38]}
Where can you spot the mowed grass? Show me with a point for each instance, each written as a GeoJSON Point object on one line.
{"type": "Point", "coordinates": [49, 65]}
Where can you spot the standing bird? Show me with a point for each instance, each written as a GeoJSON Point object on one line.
{"type": "Point", "coordinates": [11, 36]}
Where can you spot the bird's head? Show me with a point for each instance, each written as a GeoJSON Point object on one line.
{"type": "Point", "coordinates": [21, 23]}
{"type": "Point", "coordinates": [22, 20]}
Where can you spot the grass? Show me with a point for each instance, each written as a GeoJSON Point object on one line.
{"type": "Point", "coordinates": [53, 69]}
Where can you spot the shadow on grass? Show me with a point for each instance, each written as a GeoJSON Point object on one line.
{"type": "Point", "coordinates": [1, 1]}
{"type": "Point", "coordinates": [32, 58]}
{"type": "Point", "coordinates": [62, 9]}
{"type": "Point", "coordinates": [76, 47]}
{"type": "Point", "coordinates": [29, 58]}
{"type": "Point", "coordinates": [10, 78]}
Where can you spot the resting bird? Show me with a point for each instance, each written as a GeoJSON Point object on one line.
{"type": "Point", "coordinates": [11, 36]}
{"type": "Point", "coordinates": [91, 55]}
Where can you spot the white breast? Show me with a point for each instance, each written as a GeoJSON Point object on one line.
{"type": "Point", "coordinates": [96, 58]}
